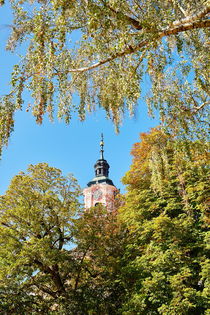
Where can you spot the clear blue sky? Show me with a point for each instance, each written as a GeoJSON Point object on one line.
{"type": "Point", "coordinates": [73, 148]}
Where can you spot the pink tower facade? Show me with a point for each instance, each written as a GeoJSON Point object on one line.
{"type": "Point", "coordinates": [100, 189]}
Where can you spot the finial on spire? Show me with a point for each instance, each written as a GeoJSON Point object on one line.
{"type": "Point", "coordinates": [102, 147]}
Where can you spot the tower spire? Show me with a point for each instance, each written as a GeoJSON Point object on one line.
{"type": "Point", "coordinates": [101, 189]}
{"type": "Point", "coordinates": [102, 147]}
{"type": "Point", "coordinates": [101, 167]}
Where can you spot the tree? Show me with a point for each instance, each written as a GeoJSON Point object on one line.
{"type": "Point", "coordinates": [101, 240]}
{"type": "Point", "coordinates": [122, 44]}
{"type": "Point", "coordinates": [36, 216]}
{"type": "Point", "coordinates": [166, 213]}
{"type": "Point", "coordinates": [55, 259]}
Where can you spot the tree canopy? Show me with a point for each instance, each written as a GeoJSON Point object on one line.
{"type": "Point", "coordinates": [55, 259]}
{"type": "Point", "coordinates": [36, 216]}
{"type": "Point", "coordinates": [166, 213]}
{"type": "Point", "coordinates": [122, 44]}
{"type": "Point", "coordinates": [148, 256]}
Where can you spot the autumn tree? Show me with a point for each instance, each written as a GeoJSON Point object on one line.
{"type": "Point", "coordinates": [122, 44]}
{"type": "Point", "coordinates": [166, 213]}
{"type": "Point", "coordinates": [101, 240]}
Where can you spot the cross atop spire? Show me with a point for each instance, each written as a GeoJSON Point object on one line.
{"type": "Point", "coordinates": [102, 147]}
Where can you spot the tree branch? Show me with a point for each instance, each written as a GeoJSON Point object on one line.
{"type": "Point", "coordinates": [201, 106]}
{"type": "Point", "coordinates": [185, 27]}
{"type": "Point", "coordinates": [128, 18]}
{"type": "Point", "coordinates": [185, 24]}
{"type": "Point", "coordinates": [180, 8]}
{"type": "Point", "coordinates": [80, 268]}
{"type": "Point", "coordinates": [129, 50]}
{"type": "Point", "coordinates": [192, 18]}
{"type": "Point", "coordinates": [42, 287]}
{"type": "Point", "coordinates": [54, 274]}
{"type": "Point", "coordinates": [133, 49]}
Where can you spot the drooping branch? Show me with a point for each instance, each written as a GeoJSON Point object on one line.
{"type": "Point", "coordinates": [185, 24]}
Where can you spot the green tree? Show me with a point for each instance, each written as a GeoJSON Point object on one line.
{"type": "Point", "coordinates": [122, 43]}
{"type": "Point", "coordinates": [166, 213]}
{"type": "Point", "coordinates": [36, 262]}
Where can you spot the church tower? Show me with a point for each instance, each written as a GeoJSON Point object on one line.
{"type": "Point", "coordinates": [100, 189]}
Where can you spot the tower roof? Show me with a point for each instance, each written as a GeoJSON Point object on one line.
{"type": "Point", "coordinates": [101, 169]}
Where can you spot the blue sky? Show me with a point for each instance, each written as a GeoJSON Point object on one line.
{"type": "Point", "coordinates": [73, 148]}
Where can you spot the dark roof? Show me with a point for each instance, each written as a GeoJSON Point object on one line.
{"type": "Point", "coordinates": [100, 180]}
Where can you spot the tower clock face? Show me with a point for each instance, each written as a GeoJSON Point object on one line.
{"type": "Point", "coordinates": [97, 194]}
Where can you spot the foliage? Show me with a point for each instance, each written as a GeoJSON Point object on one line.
{"type": "Point", "coordinates": [166, 212]}
{"type": "Point", "coordinates": [101, 241]}
{"type": "Point", "coordinates": [123, 43]}
{"type": "Point", "coordinates": [36, 232]}
{"type": "Point", "coordinates": [53, 258]}
{"type": "Point", "coordinates": [148, 257]}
